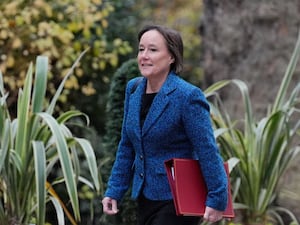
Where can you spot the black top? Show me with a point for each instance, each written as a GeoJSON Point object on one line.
{"type": "Point", "coordinates": [147, 100]}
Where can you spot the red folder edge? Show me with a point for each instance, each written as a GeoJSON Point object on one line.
{"type": "Point", "coordinates": [189, 200]}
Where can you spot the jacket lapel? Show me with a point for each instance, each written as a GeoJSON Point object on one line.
{"type": "Point", "coordinates": [160, 103]}
{"type": "Point", "coordinates": [135, 107]}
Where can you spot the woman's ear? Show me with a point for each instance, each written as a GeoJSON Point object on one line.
{"type": "Point", "coordinates": [172, 59]}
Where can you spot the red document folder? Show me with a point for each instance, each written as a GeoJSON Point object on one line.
{"type": "Point", "coordinates": [189, 189]}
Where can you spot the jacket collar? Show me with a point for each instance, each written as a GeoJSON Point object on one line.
{"type": "Point", "coordinates": [158, 106]}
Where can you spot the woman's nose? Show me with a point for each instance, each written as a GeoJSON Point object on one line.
{"type": "Point", "coordinates": [144, 54]}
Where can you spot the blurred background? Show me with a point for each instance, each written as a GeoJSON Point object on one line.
{"type": "Point", "coordinates": [231, 39]}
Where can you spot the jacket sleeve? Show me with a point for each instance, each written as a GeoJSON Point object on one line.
{"type": "Point", "coordinates": [121, 174]}
{"type": "Point", "coordinates": [200, 132]}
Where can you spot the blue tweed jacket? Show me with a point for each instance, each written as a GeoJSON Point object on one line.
{"type": "Point", "coordinates": [177, 125]}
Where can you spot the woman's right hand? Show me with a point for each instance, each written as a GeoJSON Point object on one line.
{"type": "Point", "coordinates": [110, 206]}
{"type": "Point", "coordinates": [212, 215]}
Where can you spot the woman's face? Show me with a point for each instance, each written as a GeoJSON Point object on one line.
{"type": "Point", "coordinates": [154, 59]}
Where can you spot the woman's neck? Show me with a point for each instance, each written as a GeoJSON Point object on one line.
{"type": "Point", "coordinates": [154, 85]}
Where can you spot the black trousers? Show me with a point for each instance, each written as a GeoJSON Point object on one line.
{"type": "Point", "coordinates": [161, 213]}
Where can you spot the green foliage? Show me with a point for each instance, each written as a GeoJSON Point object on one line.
{"type": "Point", "coordinates": [59, 30]}
{"type": "Point", "coordinates": [32, 144]}
{"type": "Point", "coordinates": [115, 109]}
{"type": "Point", "coordinates": [264, 148]}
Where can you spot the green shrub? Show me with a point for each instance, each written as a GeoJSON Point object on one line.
{"type": "Point", "coordinates": [263, 147]}
{"type": "Point", "coordinates": [61, 30]}
{"type": "Point", "coordinates": [32, 144]}
{"type": "Point", "coordinates": [115, 103]}
{"type": "Point", "coordinates": [115, 109]}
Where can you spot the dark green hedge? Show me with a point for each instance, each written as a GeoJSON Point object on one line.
{"type": "Point", "coordinates": [113, 126]}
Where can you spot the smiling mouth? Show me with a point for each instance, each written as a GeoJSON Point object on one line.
{"type": "Point", "coordinates": [146, 65]}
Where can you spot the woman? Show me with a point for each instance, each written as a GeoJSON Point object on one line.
{"type": "Point", "coordinates": [164, 117]}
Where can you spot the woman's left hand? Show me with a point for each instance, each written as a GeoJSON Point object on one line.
{"type": "Point", "coordinates": [212, 215]}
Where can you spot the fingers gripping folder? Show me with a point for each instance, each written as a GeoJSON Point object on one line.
{"type": "Point", "coordinates": [189, 189]}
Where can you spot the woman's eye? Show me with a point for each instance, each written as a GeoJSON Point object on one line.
{"type": "Point", "coordinates": [153, 49]}
{"type": "Point", "coordinates": [141, 49]}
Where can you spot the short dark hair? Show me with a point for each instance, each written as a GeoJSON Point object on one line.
{"type": "Point", "coordinates": [173, 41]}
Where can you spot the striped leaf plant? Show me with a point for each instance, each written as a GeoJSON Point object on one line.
{"type": "Point", "coordinates": [31, 145]}
{"type": "Point", "coordinates": [263, 148]}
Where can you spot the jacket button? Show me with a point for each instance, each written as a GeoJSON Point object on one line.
{"type": "Point", "coordinates": [141, 175]}
{"type": "Point", "coordinates": [141, 157]}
